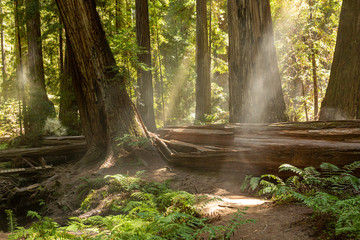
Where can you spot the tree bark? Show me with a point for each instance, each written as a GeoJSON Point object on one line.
{"type": "Point", "coordinates": [145, 99]}
{"type": "Point", "coordinates": [106, 110]}
{"type": "Point", "coordinates": [40, 107]}
{"type": "Point", "coordinates": [342, 98]}
{"type": "Point", "coordinates": [3, 59]}
{"type": "Point", "coordinates": [68, 113]}
{"type": "Point", "coordinates": [261, 148]}
{"type": "Point", "coordinates": [19, 71]}
{"type": "Point", "coordinates": [203, 85]}
{"type": "Point", "coordinates": [254, 80]}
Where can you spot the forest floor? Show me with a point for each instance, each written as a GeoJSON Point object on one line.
{"type": "Point", "coordinates": [273, 221]}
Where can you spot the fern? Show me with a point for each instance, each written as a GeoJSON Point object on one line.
{"type": "Point", "coordinates": [11, 219]}
{"type": "Point", "coordinates": [332, 191]}
{"type": "Point", "coordinates": [147, 211]}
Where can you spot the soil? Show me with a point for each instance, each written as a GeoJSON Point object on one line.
{"type": "Point", "coordinates": [272, 221]}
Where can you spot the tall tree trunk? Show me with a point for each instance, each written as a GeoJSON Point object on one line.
{"type": "Point", "coordinates": [40, 107]}
{"type": "Point", "coordinates": [3, 60]}
{"type": "Point", "coordinates": [313, 64]}
{"type": "Point", "coordinates": [61, 49]}
{"type": "Point", "coordinates": [19, 72]}
{"type": "Point", "coordinates": [254, 80]}
{"type": "Point", "coordinates": [106, 110]}
{"type": "Point", "coordinates": [203, 86]}
{"type": "Point", "coordinates": [342, 98]}
{"type": "Point", "coordinates": [119, 5]}
{"type": "Point", "coordinates": [145, 99]}
{"type": "Point", "coordinates": [68, 113]}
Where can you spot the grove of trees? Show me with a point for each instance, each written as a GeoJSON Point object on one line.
{"type": "Point", "coordinates": [105, 63]}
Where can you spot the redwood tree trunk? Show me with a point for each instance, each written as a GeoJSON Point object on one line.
{"type": "Point", "coordinates": [145, 99]}
{"type": "Point", "coordinates": [40, 107]}
{"type": "Point", "coordinates": [203, 87]}
{"type": "Point", "coordinates": [254, 80]}
{"type": "Point", "coordinates": [106, 110]}
{"type": "Point", "coordinates": [68, 113]}
{"type": "Point", "coordinates": [342, 98]}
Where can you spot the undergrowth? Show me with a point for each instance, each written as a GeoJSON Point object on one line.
{"type": "Point", "coordinates": [135, 209]}
{"type": "Point", "coordinates": [332, 192]}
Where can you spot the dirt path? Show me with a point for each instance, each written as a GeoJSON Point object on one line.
{"type": "Point", "coordinates": [273, 222]}
{"type": "Point", "coordinates": [285, 222]}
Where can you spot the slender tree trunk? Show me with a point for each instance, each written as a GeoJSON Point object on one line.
{"type": "Point", "coordinates": [40, 107]}
{"type": "Point", "coordinates": [68, 113]}
{"type": "Point", "coordinates": [342, 98]}
{"type": "Point", "coordinates": [119, 5]}
{"type": "Point", "coordinates": [254, 79]}
{"type": "Point", "coordinates": [3, 60]}
{"type": "Point", "coordinates": [315, 84]}
{"type": "Point", "coordinates": [161, 73]}
{"type": "Point", "coordinates": [203, 86]}
{"type": "Point", "coordinates": [313, 64]}
{"type": "Point", "coordinates": [19, 73]}
{"type": "Point", "coordinates": [61, 49]}
{"type": "Point", "coordinates": [305, 105]}
{"type": "Point", "coordinates": [106, 110]}
{"type": "Point", "coordinates": [145, 99]}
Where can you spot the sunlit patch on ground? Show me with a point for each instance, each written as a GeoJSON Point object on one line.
{"type": "Point", "coordinates": [230, 202]}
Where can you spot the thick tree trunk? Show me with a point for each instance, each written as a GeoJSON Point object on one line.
{"type": "Point", "coordinates": [261, 148]}
{"type": "Point", "coordinates": [342, 98]}
{"type": "Point", "coordinates": [106, 110]}
{"type": "Point", "coordinates": [40, 107]}
{"type": "Point", "coordinates": [68, 114]}
{"type": "Point", "coordinates": [145, 99]}
{"type": "Point", "coordinates": [254, 81]}
{"type": "Point", "coordinates": [203, 85]}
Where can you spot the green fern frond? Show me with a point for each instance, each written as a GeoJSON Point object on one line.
{"type": "Point", "coordinates": [274, 177]}
{"type": "Point", "coordinates": [11, 219]}
{"type": "Point", "coordinates": [311, 171]}
{"type": "Point", "coordinates": [353, 166]}
{"type": "Point", "coordinates": [289, 167]}
{"type": "Point", "coordinates": [329, 167]}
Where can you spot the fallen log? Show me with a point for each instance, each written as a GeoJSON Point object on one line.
{"type": "Point", "coordinates": [42, 151]}
{"type": "Point", "coordinates": [24, 170]}
{"type": "Point", "coordinates": [261, 148]}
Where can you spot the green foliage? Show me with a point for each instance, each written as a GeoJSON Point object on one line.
{"type": "Point", "coordinates": [53, 126]}
{"type": "Point", "coordinates": [9, 118]}
{"type": "Point", "coordinates": [3, 146]}
{"type": "Point", "coordinates": [303, 28]}
{"type": "Point", "coordinates": [145, 210]}
{"type": "Point", "coordinates": [129, 141]}
{"type": "Point", "coordinates": [333, 193]}
{"type": "Point", "coordinates": [12, 222]}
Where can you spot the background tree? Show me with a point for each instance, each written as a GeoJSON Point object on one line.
{"type": "Point", "coordinates": [342, 99]}
{"type": "Point", "coordinates": [40, 107]}
{"type": "Point", "coordinates": [254, 81]}
{"type": "Point", "coordinates": [203, 86]}
{"type": "Point", "coordinates": [305, 36]}
{"type": "Point", "coordinates": [3, 57]}
{"type": "Point", "coordinates": [68, 112]}
{"type": "Point", "coordinates": [105, 105]}
{"type": "Point", "coordinates": [145, 99]}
